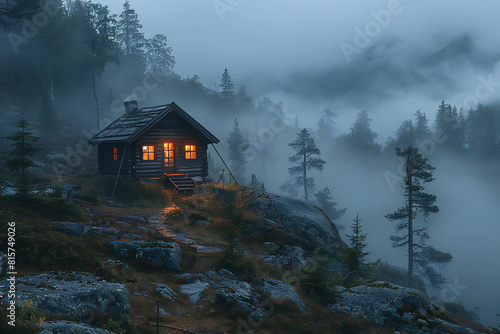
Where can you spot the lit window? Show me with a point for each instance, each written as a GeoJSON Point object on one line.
{"type": "Point", "coordinates": [148, 152]}
{"type": "Point", "coordinates": [190, 152]}
{"type": "Point", "coordinates": [168, 148]}
{"type": "Point", "coordinates": [115, 153]}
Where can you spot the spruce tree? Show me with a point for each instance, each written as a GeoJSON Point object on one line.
{"type": "Point", "coordinates": [327, 126]}
{"type": "Point", "coordinates": [355, 255]}
{"type": "Point", "coordinates": [306, 157]}
{"type": "Point", "coordinates": [129, 34]}
{"type": "Point", "coordinates": [237, 160]}
{"type": "Point", "coordinates": [417, 173]}
{"type": "Point", "coordinates": [20, 157]}
{"type": "Point", "coordinates": [324, 200]}
{"type": "Point", "coordinates": [362, 137]}
{"type": "Point", "coordinates": [227, 86]}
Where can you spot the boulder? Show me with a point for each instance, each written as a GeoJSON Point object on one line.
{"type": "Point", "coordinates": [75, 294]}
{"type": "Point", "coordinates": [291, 257]}
{"type": "Point", "coordinates": [165, 291]}
{"type": "Point", "coordinates": [279, 291]}
{"type": "Point", "coordinates": [165, 255]}
{"type": "Point", "coordinates": [194, 290]}
{"type": "Point", "coordinates": [395, 306]}
{"type": "Point", "coordinates": [298, 218]}
{"type": "Point", "coordinates": [64, 326]}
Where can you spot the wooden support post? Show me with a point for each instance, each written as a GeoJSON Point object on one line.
{"type": "Point", "coordinates": [157, 316]}
{"type": "Point", "coordinates": [119, 169]}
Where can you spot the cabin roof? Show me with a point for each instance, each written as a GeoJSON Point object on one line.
{"type": "Point", "coordinates": [131, 126]}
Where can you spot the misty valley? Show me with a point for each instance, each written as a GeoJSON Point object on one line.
{"type": "Point", "coordinates": [248, 178]}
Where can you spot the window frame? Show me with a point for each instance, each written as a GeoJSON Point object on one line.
{"type": "Point", "coordinates": [154, 152]}
{"type": "Point", "coordinates": [190, 152]}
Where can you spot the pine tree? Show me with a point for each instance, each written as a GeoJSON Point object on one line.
{"type": "Point", "coordinates": [362, 136]}
{"type": "Point", "coordinates": [417, 173]}
{"type": "Point", "coordinates": [306, 157]}
{"type": "Point", "coordinates": [447, 124]}
{"type": "Point", "coordinates": [159, 54]}
{"type": "Point", "coordinates": [355, 255]}
{"type": "Point", "coordinates": [254, 182]}
{"type": "Point", "coordinates": [324, 200]}
{"type": "Point", "coordinates": [237, 160]}
{"type": "Point", "coordinates": [422, 130]}
{"type": "Point", "coordinates": [227, 86]}
{"type": "Point", "coordinates": [481, 130]}
{"type": "Point", "coordinates": [20, 157]}
{"type": "Point", "coordinates": [327, 126]}
{"type": "Point", "coordinates": [129, 34]}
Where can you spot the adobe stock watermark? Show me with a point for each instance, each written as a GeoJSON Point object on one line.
{"type": "Point", "coordinates": [364, 36]}
{"type": "Point", "coordinates": [253, 144]}
{"type": "Point", "coordinates": [30, 28]}
{"type": "Point", "coordinates": [452, 291]}
{"type": "Point", "coordinates": [427, 147]}
{"type": "Point", "coordinates": [223, 6]}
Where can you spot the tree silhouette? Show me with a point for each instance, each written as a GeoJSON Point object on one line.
{"type": "Point", "coordinates": [418, 172]}
{"type": "Point", "coordinates": [20, 157]}
{"type": "Point", "coordinates": [306, 157]}
{"type": "Point", "coordinates": [227, 86]}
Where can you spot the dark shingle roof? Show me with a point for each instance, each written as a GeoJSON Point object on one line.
{"type": "Point", "coordinates": [131, 126]}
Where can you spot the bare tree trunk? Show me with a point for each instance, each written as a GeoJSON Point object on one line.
{"type": "Point", "coordinates": [304, 165]}
{"type": "Point", "coordinates": [94, 90]}
{"type": "Point", "coordinates": [409, 167]}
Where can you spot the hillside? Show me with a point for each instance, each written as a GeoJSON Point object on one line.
{"type": "Point", "coordinates": [217, 261]}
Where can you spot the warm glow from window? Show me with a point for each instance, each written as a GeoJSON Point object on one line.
{"type": "Point", "coordinates": [148, 152]}
{"type": "Point", "coordinates": [190, 152]}
{"type": "Point", "coordinates": [115, 153]}
{"type": "Point", "coordinates": [168, 148]}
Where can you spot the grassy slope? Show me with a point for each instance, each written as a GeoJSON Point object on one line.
{"type": "Point", "coordinates": [50, 250]}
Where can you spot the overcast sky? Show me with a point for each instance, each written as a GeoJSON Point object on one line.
{"type": "Point", "coordinates": [264, 42]}
{"type": "Point", "coordinates": [279, 36]}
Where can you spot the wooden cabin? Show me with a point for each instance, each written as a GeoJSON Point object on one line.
{"type": "Point", "coordinates": [153, 142]}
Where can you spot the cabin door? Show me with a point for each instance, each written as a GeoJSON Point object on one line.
{"type": "Point", "coordinates": [169, 160]}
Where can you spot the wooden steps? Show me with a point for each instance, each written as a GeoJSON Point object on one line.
{"type": "Point", "coordinates": [182, 182]}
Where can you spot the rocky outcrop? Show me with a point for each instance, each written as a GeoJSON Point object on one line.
{"type": "Point", "coordinates": [164, 255]}
{"type": "Point", "coordinates": [231, 292]}
{"type": "Point", "coordinates": [303, 220]}
{"type": "Point", "coordinates": [396, 275]}
{"type": "Point", "coordinates": [74, 294]}
{"type": "Point", "coordinates": [78, 230]}
{"type": "Point", "coordinates": [63, 327]}
{"type": "Point", "coordinates": [291, 257]}
{"type": "Point", "coordinates": [395, 306]}
{"type": "Point", "coordinates": [165, 291]}
{"type": "Point", "coordinates": [194, 290]}
{"type": "Point", "coordinates": [279, 291]}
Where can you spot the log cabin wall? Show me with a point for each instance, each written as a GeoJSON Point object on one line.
{"type": "Point", "coordinates": [110, 156]}
{"type": "Point", "coordinates": [172, 128]}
